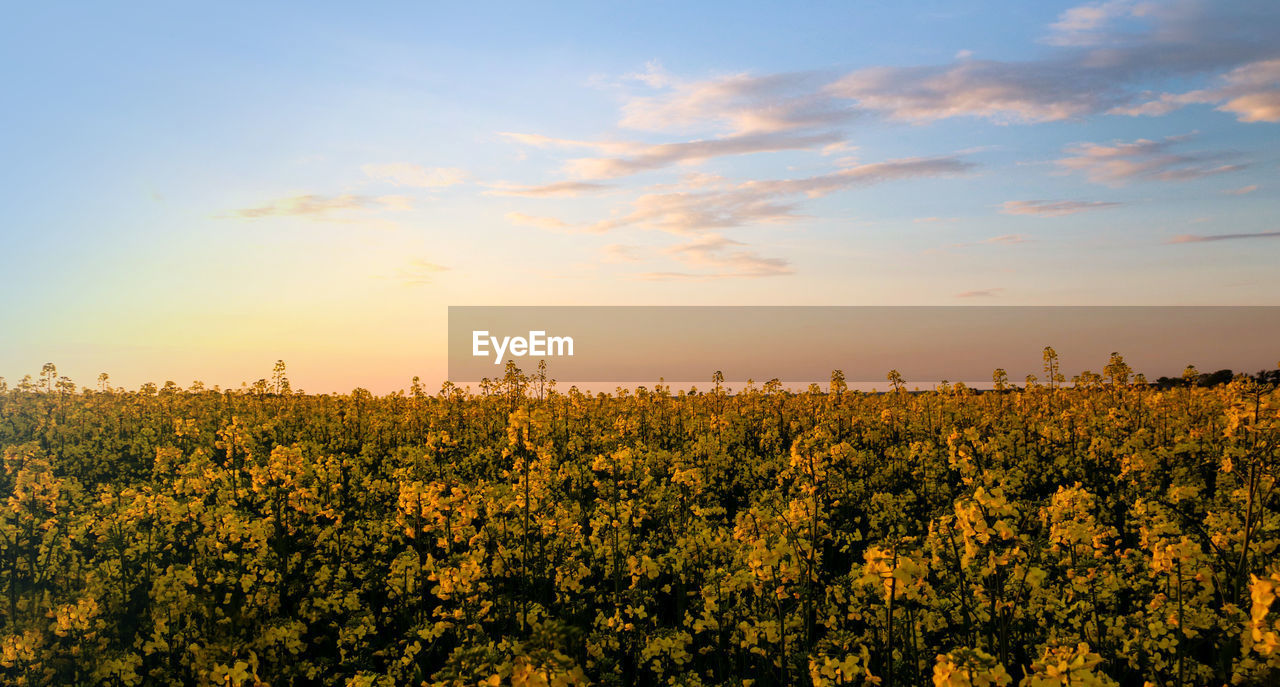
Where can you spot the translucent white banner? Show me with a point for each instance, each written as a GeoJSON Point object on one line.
{"type": "Point", "coordinates": [804, 344]}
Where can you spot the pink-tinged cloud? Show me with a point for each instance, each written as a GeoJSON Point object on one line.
{"type": "Point", "coordinates": [739, 104]}
{"type": "Point", "coordinates": [868, 174]}
{"type": "Point", "coordinates": [321, 207]}
{"type": "Point", "coordinates": [1053, 208]}
{"type": "Point", "coordinates": [623, 158]}
{"type": "Point", "coordinates": [559, 189]}
{"type": "Point", "coordinates": [618, 253]}
{"type": "Point", "coordinates": [765, 201]}
{"type": "Point", "coordinates": [1199, 238]}
{"type": "Point", "coordinates": [1092, 24]}
{"type": "Point", "coordinates": [1003, 91]}
{"type": "Point", "coordinates": [709, 256]}
{"type": "Point", "coordinates": [550, 142]}
{"type": "Point", "coordinates": [1119, 162]}
{"type": "Point", "coordinates": [653, 76]}
{"type": "Point", "coordinates": [540, 222]}
{"type": "Point", "coordinates": [720, 257]}
{"type": "Point", "coordinates": [688, 212]}
{"type": "Point", "coordinates": [396, 203]}
{"type": "Point", "coordinates": [1099, 52]}
{"type": "Point", "coordinates": [715, 204]}
{"type": "Point", "coordinates": [1007, 239]}
{"type": "Point", "coordinates": [419, 272]}
{"type": "Point", "coordinates": [1250, 91]}
{"type": "Point", "coordinates": [1003, 240]}
{"type": "Point", "coordinates": [1102, 51]}
{"type": "Point", "coordinates": [666, 154]}
{"type": "Point", "coordinates": [981, 293]}
{"type": "Point", "coordinates": [1243, 190]}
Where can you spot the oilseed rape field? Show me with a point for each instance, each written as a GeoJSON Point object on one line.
{"type": "Point", "coordinates": [1098, 530]}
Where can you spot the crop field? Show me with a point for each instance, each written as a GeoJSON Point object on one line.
{"type": "Point", "coordinates": [1096, 530]}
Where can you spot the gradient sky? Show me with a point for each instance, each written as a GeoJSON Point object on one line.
{"type": "Point", "coordinates": [192, 193]}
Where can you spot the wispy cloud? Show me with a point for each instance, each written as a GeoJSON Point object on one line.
{"type": "Point", "coordinates": [981, 293]}
{"type": "Point", "coordinates": [870, 174]}
{"type": "Point", "coordinates": [706, 257]}
{"type": "Point", "coordinates": [396, 203]}
{"type": "Point", "coordinates": [667, 154]}
{"type": "Point", "coordinates": [551, 142]}
{"type": "Point", "coordinates": [1097, 57]}
{"type": "Point", "coordinates": [687, 212]}
{"type": "Point", "coordinates": [1198, 238]}
{"type": "Point", "coordinates": [740, 104]}
{"type": "Point", "coordinates": [1243, 190]}
{"type": "Point", "coordinates": [625, 158]}
{"type": "Point", "coordinates": [1250, 91]}
{"type": "Point", "coordinates": [321, 207]}
{"type": "Point", "coordinates": [1102, 51]}
{"type": "Point", "coordinates": [559, 189]}
{"type": "Point", "coordinates": [419, 272]}
{"type": "Point", "coordinates": [1007, 239]}
{"type": "Point", "coordinates": [540, 222]}
{"type": "Point", "coordinates": [409, 174]}
{"type": "Point", "coordinates": [1053, 208]}
{"type": "Point", "coordinates": [618, 253]}
{"type": "Point", "coordinates": [720, 257]}
{"type": "Point", "coordinates": [737, 114]}
{"type": "Point", "coordinates": [1119, 162]}
{"type": "Point", "coordinates": [653, 76]}
{"type": "Point", "coordinates": [1007, 92]}
{"type": "Point", "coordinates": [740, 265]}
{"type": "Point", "coordinates": [1098, 53]}
{"type": "Point", "coordinates": [1090, 25]}
{"type": "Point", "coordinates": [715, 204]}
{"type": "Point", "coordinates": [691, 181]}
{"type": "Point", "coordinates": [1002, 240]}
{"type": "Point", "coordinates": [769, 200]}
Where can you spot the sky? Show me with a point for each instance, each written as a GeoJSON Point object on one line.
{"type": "Point", "coordinates": [195, 192]}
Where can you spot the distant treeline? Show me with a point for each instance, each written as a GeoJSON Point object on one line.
{"type": "Point", "coordinates": [1206, 379]}
{"type": "Point", "coordinates": [278, 384]}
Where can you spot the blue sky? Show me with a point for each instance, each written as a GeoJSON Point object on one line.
{"type": "Point", "coordinates": [195, 192]}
